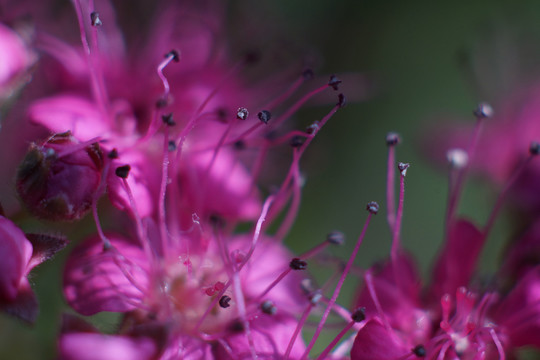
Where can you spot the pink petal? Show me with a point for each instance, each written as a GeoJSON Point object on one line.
{"type": "Point", "coordinates": [458, 259]}
{"type": "Point", "coordinates": [226, 189]}
{"type": "Point", "coordinates": [88, 346]}
{"type": "Point", "coordinates": [15, 56]}
{"type": "Point", "coordinates": [95, 280]}
{"type": "Point", "coordinates": [68, 112]}
{"type": "Point", "coordinates": [15, 253]}
{"type": "Point", "coordinates": [375, 342]}
{"type": "Point", "coordinates": [519, 312]}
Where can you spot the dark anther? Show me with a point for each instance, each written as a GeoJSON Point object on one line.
{"type": "Point", "coordinates": [236, 326]}
{"type": "Point", "coordinates": [113, 154]}
{"type": "Point", "coordinates": [264, 116]}
{"type": "Point", "coordinates": [172, 145]}
{"type": "Point", "coordinates": [342, 101]}
{"type": "Point", "coordinates": [534, 148]}
{"type": "Point", "coordinates": [308, 74]}
{"type": "Point", "coordinates": [483, 110]}
{"type": "Point", "coordinates": [268, 307]}
{"type": "Point", "coordinates": [168, 119]}
{"type": "Point", "coordinates": [217, 221]}
{"type": "Point", "coordinates": [122, 171]}
{"type": "Point", "coordinates": [372, 207]}
{"type": "Point", "coordinates": [162, 102]}
{"type": "Point", "coordinates": [242, 113]}
{"type": "Point", "coordinates": [297, 141]}
{"type": "Point", "coordinates": [225, 301]}
{"type": "Point", "coordinates": [175, 55]}
{"type": "Point", "coordinates": [334, 82]}
{"type": "Point", "coordinates": [392, 139]}
{"type": "Point", "coordinates": [239, 145]}
{"type": "Point", "coordinates": [359, 314]}
{"type": "Point", "coordinates": [419, 351]}
{"type": "Point", "coordinates": [403, 168]}
{"type": "Point", "coordinates": [252, 57]}
{"type": "Point", "coordinates": [94, 19]}
{"type": "Point", "coordinates": [336, 238]}
{"type": "Point", "coordinates": [298, 264]}
{"type": "Point", "coordinates": [222, 114]}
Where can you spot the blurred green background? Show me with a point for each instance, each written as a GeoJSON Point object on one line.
{"type": "Point", "coordinates": [414, 57]}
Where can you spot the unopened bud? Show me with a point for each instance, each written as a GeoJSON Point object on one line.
{"type": "Point", "coordinates": [57, 179]}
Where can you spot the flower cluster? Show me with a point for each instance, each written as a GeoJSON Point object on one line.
{"type": "Point", "coordinates": [188, 245]}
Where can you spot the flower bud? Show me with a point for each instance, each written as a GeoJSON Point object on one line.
{"type": "Point", "coordinates": [57, 179]}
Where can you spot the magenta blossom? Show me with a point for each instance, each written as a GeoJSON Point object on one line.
{"type": "Point", "coordinates": [20, 254]}
{"type": "Point", "coordinates": [453, 317]}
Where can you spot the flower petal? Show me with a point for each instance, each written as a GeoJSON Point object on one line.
{"type": "Point", "coordinates": [105, 280]}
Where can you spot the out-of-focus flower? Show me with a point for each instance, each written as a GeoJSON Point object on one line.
{"type": "Point", "coordinates": [17, 58]}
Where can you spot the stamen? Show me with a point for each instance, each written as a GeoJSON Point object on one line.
{"type": "Point", "coordinates": [392, 139]}
{"type": "Point", "coordinates": [338, 287]}
{"type": "Point", "coordinates": [482, 112]}
{"type": "Point", "coordinates": [534, 150]}
{"type": "Point", "coordinates": [402, 167]}
{"type": "Point", "coordinates": [358, 316]}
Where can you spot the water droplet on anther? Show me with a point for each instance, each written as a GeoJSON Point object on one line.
{"type": "Point", "coordinates": [336, 238]}
{"type": "Point", "coordinates": [372, 207]}
{"type": "Point", "coordinates": [483, 110]}
{"type": "Point", "coordinates": [298, 264]}
{"type": "Point", "coordinates": [457, 158]}
{"type": "Point", "coordinates": [94, 19]}
{"type": "Point", "coordinates": [334, 82]}
{"type": "Point", "coordinates": [403, 168]}
{"type": "Point", "coordinates": [242, 114]}
{"type": "Point", "coordinates": [264, 116]}
{"type": "Point", "coordinates": [123, 171]}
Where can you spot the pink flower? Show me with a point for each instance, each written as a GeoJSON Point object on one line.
{"type": "Point", "coordinates": [17, 58]}
{"type": "Point", "coordinates": [20, 254]}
